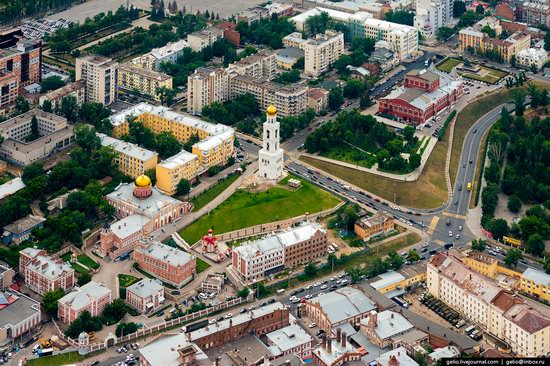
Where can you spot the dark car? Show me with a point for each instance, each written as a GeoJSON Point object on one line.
{"type": "Point", "coordinates": [433, 251]}
{"type": "Point", "coordinates": [270, 301]}
{"type": "Point", "coordinates": [243, 310]}
{"type": "Point", "coordinates": [160, 313]}
{"type": "Point", "coordinates": [263, 304]}
{"type": "Point", "coordinates": [220, 319]}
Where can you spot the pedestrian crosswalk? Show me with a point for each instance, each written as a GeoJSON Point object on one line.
{"type": "Point", "coordinates": [433, 224]}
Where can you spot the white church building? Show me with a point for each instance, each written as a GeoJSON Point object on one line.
{"type": "Point", "coordinates": [271, 160]}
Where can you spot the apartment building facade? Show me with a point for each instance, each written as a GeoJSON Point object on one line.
{"type": "Point", "coordinates": [146, 295]}
{"type": "Point", "coordinates": [43, 273]}
{"type": "Point", "coordinates": [535, 12]}
{"type": "Point", "coordinates": [479, 299]}
{"type": "Point", "coordinates": [21, 56]}
{"type": "Point", "coordinates": [131, 160]}
{"type": "Point", "coordinates": [9, 90]}
{"type": "Point", "coordinates": [322, 51]}
{"type": "Point", "coordinates": [259, 65]}
{"type": "Point", "coordinates": [204, 38]}
{"type": "Point", "coordinates": [206, 86]}
{"type": "Point", "coordinates": [169, 53]}
{"type": "Point", "coordinates": [475, 41]}
{"type": "Point", "coordinates": [317, 99]}
{"type": "Point", "coordinates": [183, 165]}
{"type": "Point", "coordinates": [100, 75]}
{"type": "Point", "coordinates": [403, 38]}
{"type": "Point", "coordinates": [76, 89]}
{"type": "Point", "coordinates": [169, 264]}
{"type": "Point", "coordinates": [19, 315]}
{"type": "Point", "coordinates": [378, 224]}
{"type": "Point", "coordinates": [133, 79]}
{"type": "Point", "coordinates": [92, 297]}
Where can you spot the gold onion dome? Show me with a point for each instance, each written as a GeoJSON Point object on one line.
{"type": "Point", "coordinates": [143, 181]}
{"type": "Point", "coordinates": [271, 110]}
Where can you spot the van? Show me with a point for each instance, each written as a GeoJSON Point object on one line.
{"type": "Point", "coordinates": [280, 291]}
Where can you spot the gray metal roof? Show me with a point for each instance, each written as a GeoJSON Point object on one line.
{"type": "Point", "coordinates": [537, 277]}
{"type": "Point", "coordinates": [146, 287]}
{"type": "Point", "coordinates": [401, 355]}
{"type": "Point", "coordinates": [390, 323]}
{"type": "Point", "coordinates": [344, 303]}
{"type": "Point", "coordinates": [287, 338]}
{"type": "Point", "coordinates": [386, 279]}
{"type": "Point", "coordinates": [17, 308]}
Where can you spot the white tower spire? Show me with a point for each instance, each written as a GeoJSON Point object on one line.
{"type": "Point", "coordinates": [271, 155]}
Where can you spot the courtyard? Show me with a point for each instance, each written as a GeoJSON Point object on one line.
{"type": "Point", "coordinates": [484, 74]}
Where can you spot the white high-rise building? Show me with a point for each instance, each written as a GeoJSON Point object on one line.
{"type": "Point", "coordinates": [271, 155]}
{"type": "Point", "coordinates": [432, 15]}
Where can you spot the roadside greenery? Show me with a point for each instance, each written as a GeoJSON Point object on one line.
{"type": "Point", "coordinates": [268, 32]}
{"type": "Point", "coordinates": [443, 129]}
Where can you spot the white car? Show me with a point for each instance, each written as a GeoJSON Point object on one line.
{"type": "Point", "coordinates": [450, 233]}
{"type": "Point", "coordinates": [296, 300]}
{"type": "Point", "coordinates": [320, 294]}
{"type": "Point", "coordinates": [344, 282]}
{"type": "Point", "coordinates": [312, 325]}
{"type": "Point", "coordinates": [460, 228]}
{"type": "Point", "coordinates": [308, 287]}
{"type": "Point", "coordinates": [228, 315]}
{"type": "Point", "coordinates": [317, 284]}
{"type": "Point", "coordinates": [212, 321]}
{"type": "Point", "coordinates": [324, 287]}
{"type": "Point", "coordinates": [425, 245]}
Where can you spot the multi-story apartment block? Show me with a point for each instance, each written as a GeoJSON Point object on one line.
{"type": "Point", "coordinates": [132, 78]}
{"type": "Point", "coordinates": [169, 264]}
{"type": "Point", "coordinates": [215, 150]}
{"type": "Point", "coordinates": [432, 15]}
{"type": "Point", "coordinates": [322, 51]}
{"type": "Point", "coordinates": [43, 273]}
{"type": "Point", "coordinates": [9, 90]}
{"type": "Point", "coordinates": [535, 12]}
{"type": "Point", "coordinates": [7, 275]}
{"type": "Point", "coordinates": [257, 259]}
{"type": "Point", "coordinates": [479, 299]}
{"type": "Point", "coordinates": [206, 86]}
{"type": "Point", "coordinates": [295, 40]}
{"type": "Point", "coordinates": [475, 41]}
{"type": "Point", "coordinates": [21, 56]}
{"type": "Point", "coordinates": [100, 76]}
{"type": "Point", "coordinates": [424, 94]}
{"type": "Point", "coordinates": [529, 57]}
{"type": "Point", "coordinates": [146, 295]}
{"type": "Point", "coordinates": [368, 227]}
{"type": "Point", "coordinates": [92, 297]}
{"type": "Point", "coordinates": [19, 316]}
{"type": "Point", "coordinates": [403, 38]}
{"type": "Point", "coordinates": [76, 89]}
{"type": "Point", "coordinates": [131, 160]}
{"type": "Point", "coordinates": [290, 100]}
{"type": "Point", "coordinates": [346, 305]}
{"type": "Point", "coordinates": [183, 165]}
{"type": "Point", "coordinates": [317, 99]}
{"type": "Point", "coordinates": [204, 38]}
{"type": "Point", "coordinates": [535, 283]}
{"type": "Point", "coordinates": [259, 65]}
{"type": "Point", "coordinates": [169, 53]}
{"type": "Point", "coordinates": [55, 135]}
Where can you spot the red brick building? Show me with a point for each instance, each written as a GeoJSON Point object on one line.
{"type": "Point", "coordinates": [504, 10]}
{"type": "Point", "coordinates": [43, 273]}
{"type": "Point", "coordinates": [92, 297]}
{"type": "Point", "coordinates": [146, 295]}
{"type": "Point", "coordinates": [9, 89]}
{"type": "Point", "coordinates": [424, 94]}
{"type": "Point", "coordinates": [166, 263]}
{"type": "Point", "coordinates": [230, 33]}
{"type": "Point", "coordinates": [21, 56]}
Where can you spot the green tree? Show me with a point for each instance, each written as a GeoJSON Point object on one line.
{"type": "Point", "coordinates": [123, 329]}
{"type": "Point", "coordinates": [49, 301]}
{"type": "Point", "coordinates": [512, 257]}
{"type": "Point", "coordinates": [480, 9]}
{"type": "Point", "coordinates": [47, 106]}
{"type": "Point", "coordinates": [365, 100]}
{"type": "Point", "coordinates": [69, 108]}
{"type": "Point", "coordinates": [21, 105]}
{"type": "Point", "coordinates": [395, 260]}
{"type": "Point", "coordinates": [32, 171]}
{"type": "Point", "coordinates": [166, 95]}
{"type": "Point", "coordinates": [444, 33]}
{"type": "Point", "coordinates": [51, 83]}
{"type": "Point", "coordinates": [335, 99]}
{"type": "Point", "coordinates": [354, 88]}
{"type": "Point", "coordinates": [299, 64]}
{"type": "Point", "coordinates": [115, 311]}
{"type": "Point", "coordinates": [347, 215]}
{"type": "Point", "coordinates": [243, 293]}
{"type": "Point", "coordinates": [489, 31]}
{"type": "Point", "coordinates": [413, 256]}
{"type": "Point", "coordinates": [183, 187]}
{"type": "Point", "coordinates": [310, 270]}
{"type": "Point", "coordinates": [167, 144]}
{"type": "Point", "coordinates": [546, 264]}
{"type": "Point", "coordinates": [35, 133]}
{"type": "Point", "coordinates": [459, 8]}
{"type": "Point", "coordinates": [499, 228]}
{"type": "Point", "coordinates": [518, 98]}
{"type": "Point", "coordinates": [318, 23]}
{"type": "Point", "coordinates": [87, 139]}
{"type": "Point", "coordinates": [479, 245]}
{"type": "Point", "coordinates": [535, 245]}
{"type": "Point", "coordinates": [289, 77]}
{"type": "Point", "coordinates": [514, 203]}
{"type": "Point", "coordinates": [405, 17]}
{"type": "Point", "coordinates": [83, 278]}
{"type": "Point", "coordinates": [547, 41]}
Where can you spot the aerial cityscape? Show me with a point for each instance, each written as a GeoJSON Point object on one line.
{"type": "Point", "coordinates": [274, 183]}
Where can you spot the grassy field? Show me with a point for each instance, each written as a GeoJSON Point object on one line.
{"type": "Point", "coordinates": [202, 265]}
{"type": "Point", "coordinates": [480, 166]}
{"type": "Point", "coordinates": [490, 75]}
{"type": "Point", "coordinates": [202, 199]}
{"type": "Point", "coordinates": [244, 209]}
{"type": "Point", "coordinates": [57, 360]}
{"type": "Point", "coordinates": [469, 115]}
{"type": "Point", "coordinates": [87, 261]}
{"type": "Point", "coordinates": [348, 155]}
{"type": "Point", "coordinates": [78, 268]}
{"type": "Point", "coordinates": [124, 281]}
{"type": "Point", "coordinates": [448, 64]}
{"type": "Point", "coordinates": [6, 177]}
{"type": "Point", "coordinates": [429, 191]}
{"type": "Point", "coordinates": [66, 257]}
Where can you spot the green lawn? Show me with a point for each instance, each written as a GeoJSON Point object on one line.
{"type": "Point", "coordinates": [87, 261]}
{"type": "Point", "coordinates": [6, 177]}
{"type": "Point", "coordinates": [124, 281]}
{"type": "Point", "coordinates": [348, 155]}
{"type": "Point", "coordinates": [67, 256]}
{"type": "Point", "coordinates": [78, 268]}
{"type": "Point", "coordinates": [202, 265]}
{"type": "Point", "coordinates": [448, 64]}
{"type": "Point", "coordinates": [244, 209]}
{"type": "Point", "coordinates": [202, 199]}
{"type": "Point", "coordinates": [57, 360]}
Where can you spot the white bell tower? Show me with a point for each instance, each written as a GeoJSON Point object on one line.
{"type": "Point", "coordinates": [270, 157]}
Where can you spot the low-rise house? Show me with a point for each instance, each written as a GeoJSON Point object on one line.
{"type": "Point", "coordinates": [76, 89]}
{"type": "Point", "coordinates": [368, 227]}
{"type": "Point", "coordinates": [291, 340]}
{"type": "Point", "coordinates": [21, 230]}
{"type": "Point", "coordinates": [383, 329]}
{"type": "Point", "coordinates": [287, 57]}
{"type": "Point", "coordinates": [92, 297]}
{"type": "Point", "coordinates": [19, 315]}
{"type": "Point", "coordinates": [335, 352]}
{"type": "Point", "coordinates": [317, 99]}
{"type": "Point", "coordinates": [396, 357]}
{"type": "Point", "coordinates": [6, 275]}
{"type": "Point", "coordinates": [530, 57]}
{"type": "Point", "coordinates": [146, 295]}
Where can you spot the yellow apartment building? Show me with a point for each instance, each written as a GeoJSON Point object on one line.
{"type": "Point", "coordinates": [535, 283]}
{"type": "Point", "coordinates": [398, 281]}
{"type": "Point", "coordinates": [480, 42]}
{"type": "Point", "coordinates": [368, 227]}
{"type": "Point", "coordinates": [183, 165]}
{"type": "Point", "coordinates": [132, 160]}
{"type": "Point", "coordinates": [135, 78]}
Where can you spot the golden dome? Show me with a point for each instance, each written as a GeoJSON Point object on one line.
{"type": "Point", "coordinates": [143, 181]}
{"type": "Point", "coordinates": [271, 110]}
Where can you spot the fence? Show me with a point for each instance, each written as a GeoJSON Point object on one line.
{"type": "Point", "coordinates": [273, 226]}
{"type": "Point", "coordinates": [155, 328]}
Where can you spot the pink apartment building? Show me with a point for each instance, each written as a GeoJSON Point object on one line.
{"type": "Point", "coordinates": [92, 297]}
{"type": "Point", "coordinates": [43, 273]}
{"type": "Point", "coordinates": [146, 295]}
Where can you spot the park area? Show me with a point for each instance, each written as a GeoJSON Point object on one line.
{"type": "Point", "coordinates": [207, 196]}
{"type": "Point", "coordinates": [485, 74]}
{"type": "Point", "coordinates": [244, 209]}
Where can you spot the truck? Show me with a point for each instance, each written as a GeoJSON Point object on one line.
{"type": "Point", "coordinates": [41, 352]}
{"type": "Point", "coordinates": [192, 327]}
{"type": "Point", "coordinates": [401, 302]}
{"type": "Point", "coordinates": [470, 329]}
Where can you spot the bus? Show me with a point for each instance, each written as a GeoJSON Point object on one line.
{"type": "Point", "coordinates": [470, 329]}
{"type": "Point", "coordinates": [469, 186]}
